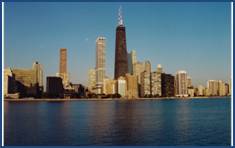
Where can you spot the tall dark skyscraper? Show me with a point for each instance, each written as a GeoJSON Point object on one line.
{"type": "Point", "coordinates": [121, 62]}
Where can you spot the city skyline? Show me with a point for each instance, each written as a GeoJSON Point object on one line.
{"type": "Point", "coordinates": [170, 62]}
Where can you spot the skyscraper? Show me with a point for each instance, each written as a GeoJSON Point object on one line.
{"type": "Point", "coordinates": [121, 63]}
{"type": "Point", "coordinates": [131, 61]}
{"type": "Point", "coordinates": [39, 73]}
{"type": "Point", "coordinates": [181, 84]}
{"type": "Point", "coordinates": [54, 87]}
{"type": "Point", "coordinates": [167, 85]}
{"type": "Point", "coordinates": [63, 60]}
{"type": "Point", "coordinates": [156, 85]}
{"type": "Point", "coordinates": [63, 67]}
{"type": "Point", "coordinates": [145, 84]}
{"type": "Point", "coordinates": [138, 68]}
{"type": "Point", "coordinates": [213, 87]}
{"type": "Point", "coordinates": [100, 63]}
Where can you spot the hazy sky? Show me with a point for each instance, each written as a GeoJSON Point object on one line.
{"type": "Point", "coordinates": [180, 36]}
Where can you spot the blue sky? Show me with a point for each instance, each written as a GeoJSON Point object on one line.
{"type": "Point", "coordinates": [180, 36]}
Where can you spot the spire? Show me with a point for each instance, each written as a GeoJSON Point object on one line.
{"type": "Point", "coordinates": [120, 19]}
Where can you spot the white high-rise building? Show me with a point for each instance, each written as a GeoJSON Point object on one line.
{"type": "Point", "coordinates": [100, 63]}
{"type": "Point", "coordinates": [122, 86]}
{"type": "Point", "coordinates": [181, 84]}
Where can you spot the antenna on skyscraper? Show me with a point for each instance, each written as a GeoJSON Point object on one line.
{"type": "Point", "coordinates": [120, 19]}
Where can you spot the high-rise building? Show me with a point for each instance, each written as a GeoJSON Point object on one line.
{"type": "Point", "coordinates": [63, 60]}
{"type": "Point", "coordinates": [92, 80]}
{"type": "Point", "coordinates": [147, 66]}
{"type": "Point", "coordinates": [121, 63]}
{"type": "Point", "coordinates": [154, 87]}
{"type": "Point", "coordinates": [156, 81]}
{"type": "Point", "coordinates": [181, 84]}
{"type": "Point", "coordinates": [100, 63]}
{"type": "Point", "coordinates": [139, 67]}
{"type": "Point", "coordinates": [167, 85]}
{"type": "Point", "coordinates": [145, 84]}
{"type": "Point", "coordinates": [132, 86]}
{"type": "Point", "coordinates": [121, 86]}
{"type": "Point", "coordinates": [145, 80]}
{"type": "Point", "coordinates": [159, 83]}
{"type": "Point", "coordinates": [131, 61]}
{"type": "Point", "coordinates": [213, 87]}
{"type": "Point", "coordinates": [39, 74]}
{"type": "Point", "coordinates": [55, 87]}
{"type": "Point", "coordinates": [63, 73]}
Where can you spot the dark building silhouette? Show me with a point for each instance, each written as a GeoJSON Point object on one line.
{"type": "Point", "coordinates": [167, 82]}
{"type": "Point", "coordinates": [55, 87]}
{"type": "Point", "coordinates": [121, 61]}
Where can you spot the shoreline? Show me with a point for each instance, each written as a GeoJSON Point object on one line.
{"type": "Point", "coordinates": [108, 99]}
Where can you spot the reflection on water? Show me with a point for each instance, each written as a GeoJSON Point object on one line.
{"type": "Point", "coordinates": [148, 122]}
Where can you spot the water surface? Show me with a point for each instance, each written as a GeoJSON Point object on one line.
{"type": "Point", "coordinates": [118, 122]}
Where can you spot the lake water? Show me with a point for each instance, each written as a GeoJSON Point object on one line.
{"type": "Point", "coordinates": [119, 122]}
